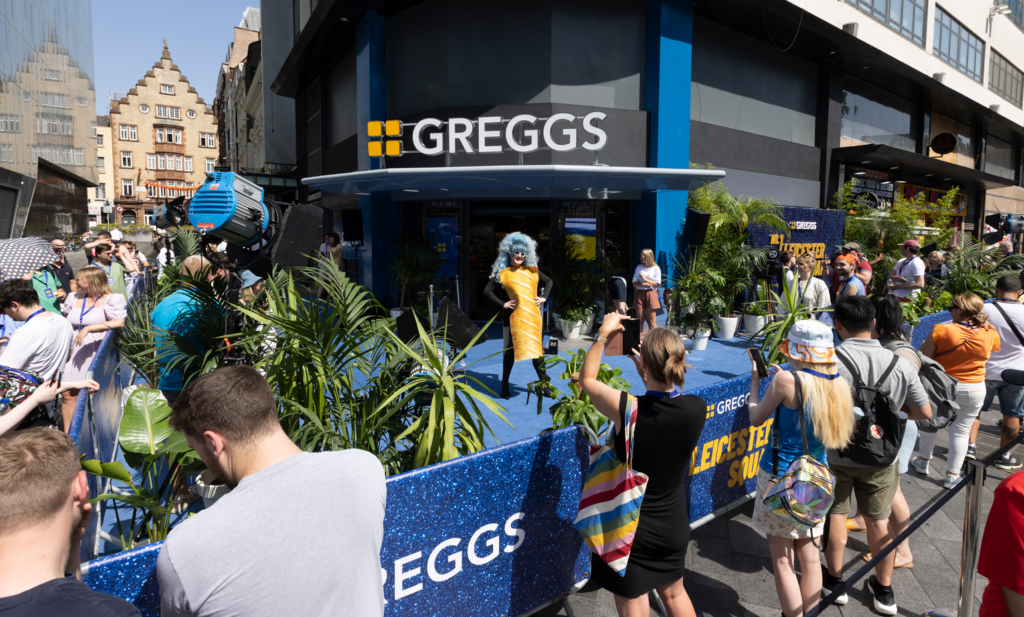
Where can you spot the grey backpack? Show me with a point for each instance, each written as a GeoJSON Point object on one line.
{"type": "Point", "coordinates": [940, 387]}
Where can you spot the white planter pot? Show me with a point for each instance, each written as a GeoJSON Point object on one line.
{"type": "Point", "coordinates": [588, 325]}
{"type": "Point", "coordinates": [753, 323]}
{"type": "Point", "coordinates": [210, 492]}
{"type": "Point", "coordinates": [570, 330]}
{"type": "Point", "coordinates": [700, 340]}
{"type": "Point", "coordinates": [726, 327]}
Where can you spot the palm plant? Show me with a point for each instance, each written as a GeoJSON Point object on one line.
{"type": "Point", "coordinates": [792, 307]}
{"type": "Point", "coordinates": [975, 267]}
{"type": "Point", "coordinates": [735, 262]}
{"type": "Point", "coordinates": [735, 216]}
{"type": "Point", "coordinates": [418, 262]}
{"type": "Point", "coordinates": [574, 408]}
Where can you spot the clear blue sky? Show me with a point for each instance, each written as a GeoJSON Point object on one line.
{"type": "Point", "coordinates": [128, 39]}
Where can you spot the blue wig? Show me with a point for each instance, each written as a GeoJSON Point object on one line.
{"type": "Point", "coordinates": [512, 243]}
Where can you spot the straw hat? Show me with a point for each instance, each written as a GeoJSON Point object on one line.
{"type": "Point", "coordinates": [810, 341]}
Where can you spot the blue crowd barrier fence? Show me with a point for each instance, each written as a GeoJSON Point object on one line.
{"type": "Point", "coordinates": [492, 533]}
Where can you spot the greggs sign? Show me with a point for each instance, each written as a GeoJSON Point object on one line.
{"type": "Point", "coordinates": [524, 133]}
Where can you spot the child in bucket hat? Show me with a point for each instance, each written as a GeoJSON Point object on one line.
{"type": "Point", "coordinates": [829, 417]}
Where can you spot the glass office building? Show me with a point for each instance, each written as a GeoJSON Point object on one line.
{"type": "Point", "coordinates": [47, 117]}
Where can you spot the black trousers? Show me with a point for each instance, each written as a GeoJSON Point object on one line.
{"type": "Point", "coordinates": [509, 359]}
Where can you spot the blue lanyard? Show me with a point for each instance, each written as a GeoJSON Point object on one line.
{"type": "Point", "coordinates": [841, 291]}
{"type": "Point", "coordinates": [107, 269]}
{"type": "Point", "coordinates": [42, 310]}
{"type": "Point", "coordinates": [967, 325]}
{"type": "Point", "coordinates": [817, 374]}
{"type": "Point", "coordinates": [46, 281]}
{"type": "Point", "coordinates": [671, 394]}
{"type": "Point", "coordinates": [85, 300]}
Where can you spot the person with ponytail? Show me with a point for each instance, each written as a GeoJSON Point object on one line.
{"type": "Point", "coordinates": [668, 426]}
{"type": "Point", "coordinates": [830, 420]}
{"type": "Point", "coordinates": [962, 348]}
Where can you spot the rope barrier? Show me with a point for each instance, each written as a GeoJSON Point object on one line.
{"type": "Point", "coordinates": [914, 526]}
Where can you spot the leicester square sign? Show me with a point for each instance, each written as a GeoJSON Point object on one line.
{"type": "Point", "coordinates": [560, 132]}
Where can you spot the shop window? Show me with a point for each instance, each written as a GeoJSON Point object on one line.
{"type": "Point", "coordinates": [1000, 158]}
{"type": "Point", "coordinates": [1016, 14]}
{"type": "Point", "coordinates": [871, 115]}
{"type": "Point", "coordinates": [743, 84]}
{"type": "Point", "coordinates": [957, 46]}
{"type": "Point", "coordinates": [903, 16]}
{"type": "Point", "coordinates": [965, 150]}
{"type": "Point", "coordinates": [1005, 79]}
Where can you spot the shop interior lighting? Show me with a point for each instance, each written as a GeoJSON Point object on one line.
{"type": "Point", "coordinates": [901, 182]}
{"type": "Point", "coordinates": [858, 173]}
{"type": "Point", "coordinates": [897, 167]}
{"type": "Point", "coordinates": [411, 190]}
{"type": "Point", "coordinates": [946, 179]}
{"type": "Point", "coordinates": [928, 175]}
{"type": "Point", "coordinates": [864, 162]}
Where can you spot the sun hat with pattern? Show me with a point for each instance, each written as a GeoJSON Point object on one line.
{"type": "Point", "coordinates": [810, 341]}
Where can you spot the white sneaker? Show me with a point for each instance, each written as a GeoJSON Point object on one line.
{"type": "Point", "coordinates": [951, 481]}
{"type": "Point", "coordinates": [920, 465]}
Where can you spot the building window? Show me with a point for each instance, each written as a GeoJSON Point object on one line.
{"type": "Point", "coordinates": [177, 136]}
{"type": "Point", "coordinates": [79, 155]}
{"type": "Point", "coordinates": [1005, 79]}
{"type": "Point", "coordinates": [129, 133]}
{"type": "Point", "coordinates": [296, 19]}
{"type": "Point", "coordinates": [94, 130]}
{"type": "Point", "coordinates": [54, 124]}
{"type": "Point", "coordinates": [6, 153]}
{"type": "Point", "coordinates": [163, 111]}
{"type": "Point", "coordinates": [188, 163]}
{"type": "Point", "coordinates": [99, 139]}
{"type": "Point", "coordinates": [1016, 14]}
{"type": "Point", "coordinates": [1000, 158]}
{"type": "Point", "coordinates": [159, 136]}
{"type": "Point", "coordinates": [127, 187]}
{"type": "Point", "coordinates": [52, 75]}
{"type": "Point", "coordinates": [191, 113]}
{"type": "Point", "coordinates": [53, 99]}
{"type": "Point", "coordinates": [144, 108]}
{"type": "Point", "coordinates": [178, 163]}
{"type": "Point", "coordinates": [161, 161]}
{"type": "Point", "coordinates": [101, 191]}
{"type": "Point", "coordinates": [871, 115]}
{"type": "Point", "coordinates": [154, 191]}
{"type": "Point", "coordinates": [903, 16]}
{"type": "Point", "coordinates": [150, 161]}
{"type": "Point", "coordinates": [101, 163]}
{"type": "Point", "coordinates": [126, 159]}
{"type": "Point", "coordinates": [209, 166]}
{"type": "Point", "coordinates": [957, 46]}
{"type": "Point", "coordinates": [206, 140]}
{"type": "Point", "coordinates": [9, 123]}
{"type": "Point", "coordinates": [165, 89]}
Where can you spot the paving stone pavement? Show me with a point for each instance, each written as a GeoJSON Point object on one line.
{"type": "Point", "coordinates": [729, 570]}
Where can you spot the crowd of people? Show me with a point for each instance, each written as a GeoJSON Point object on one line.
{"type": "Point", "coordinates": [850, 402]}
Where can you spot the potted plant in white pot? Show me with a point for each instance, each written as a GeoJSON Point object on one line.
{"type": "Point", "coordinates": [755, 315]}
{"type": "Point", "coordinates": [417, 264]}
{"type": "Point", "coordinates": [572, 322]}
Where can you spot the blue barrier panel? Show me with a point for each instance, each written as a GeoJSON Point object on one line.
{"type": "Point", "coordinates": [486, 534]}
{"type": "Point", "coordinates": [924, 329]}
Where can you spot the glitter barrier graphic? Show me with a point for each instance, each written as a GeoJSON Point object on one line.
{"type": "Point", "coordinates": [492, 533]}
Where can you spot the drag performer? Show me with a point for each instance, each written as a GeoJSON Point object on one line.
{"type": "Point", "coordinates": [513, 287]}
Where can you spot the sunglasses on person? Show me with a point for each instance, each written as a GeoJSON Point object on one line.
{"type": "Point", "coordinates": [519, 254]}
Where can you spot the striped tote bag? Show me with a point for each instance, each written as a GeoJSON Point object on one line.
{"type": "Point", "coordinates": [610, 505]}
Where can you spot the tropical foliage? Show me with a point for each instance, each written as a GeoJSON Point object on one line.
{"type": "Point", "coordinates": [574, 408]}
{"type": "Point", "coordinates": [792, 307]}
{"type": "Point", "coordinates": [574, 278]}
{"type": "Point", "coordinates": [417, 264]}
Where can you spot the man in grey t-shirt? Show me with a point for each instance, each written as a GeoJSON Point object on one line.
{"type": "Point", "coordinates": [299, 534]}
{"type": "Point", "coordinates": [874, 487]}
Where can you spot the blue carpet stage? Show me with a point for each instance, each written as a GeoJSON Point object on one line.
{"type": "Point", "coordinates": [721, 360]}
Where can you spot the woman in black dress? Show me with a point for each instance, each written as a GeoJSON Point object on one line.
{"type": "Point", "coordinates": [668, 427]}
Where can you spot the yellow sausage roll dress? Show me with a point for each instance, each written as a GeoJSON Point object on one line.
{"type": "Point", "coordinates": [520, 284]}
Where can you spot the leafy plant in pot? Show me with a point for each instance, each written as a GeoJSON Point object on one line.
{"type": "Point", "coordinates": [792, 307]}
{"type": "Point", "coordinates": [695, 299]}
{"type": "Point", "coordinates": [756, 312]}
{"type": "Point", "coordinates": [574, 408]}
{"type": "Point", "coordinates": [417, 264]}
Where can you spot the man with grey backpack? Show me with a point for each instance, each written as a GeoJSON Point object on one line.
{"type": "Point", "coordinates": [882, 382]}
{"type": "Point", "coordinates": [1006, 315]}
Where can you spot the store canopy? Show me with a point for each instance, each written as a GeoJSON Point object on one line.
{"type": "Point", "coordinates": [515, 181]}
{"type": "Point", "coordinates": [919, 169]}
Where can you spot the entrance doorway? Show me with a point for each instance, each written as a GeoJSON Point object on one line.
{"type": "Point", "coordinates": [489, 223]}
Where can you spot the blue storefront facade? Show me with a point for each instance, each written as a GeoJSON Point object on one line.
{"type": "Point", "coordinates": [648, 86]}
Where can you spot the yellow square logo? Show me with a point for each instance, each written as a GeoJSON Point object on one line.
{"type": "Point", "coordinates": [375, 148]}
{"type": "Point", "coordinates": [393, 128]}
{"type": "Point", "coordinates": [375, 129]}
{"type": "Point", "coordinates": [393, 148]}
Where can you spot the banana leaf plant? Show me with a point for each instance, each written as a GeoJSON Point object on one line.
{"type": "Point", "coordinates": [162, 462]}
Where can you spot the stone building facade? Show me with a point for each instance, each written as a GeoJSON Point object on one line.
{"type": "Point", "coordinates": [100, 208]}
{"type": "Point", "coordinates": [164, 141]}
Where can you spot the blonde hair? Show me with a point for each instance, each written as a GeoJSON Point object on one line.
{"type": "Point", "coordinates": [972, 309]}
{"type": "Point", "coordinates": [939, 254]}
{"type": "Point", "coordinates": [808, 259]}
{"type": "Point", "coordinates": [664, 356]}
{"type": "Point", "coordinates": [828, 404]}
{"type": "Point", "coordinates": [648, 256]}
{"type": "Point", "coordinates": [96, 278]}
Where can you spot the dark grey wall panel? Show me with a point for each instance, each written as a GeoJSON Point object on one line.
{"type": "Point", "coordinates": [278, 111]}
{"type": "Point", "coordinates": [455, 53]}
{"type": "Point", "coordinates": [734, 149]}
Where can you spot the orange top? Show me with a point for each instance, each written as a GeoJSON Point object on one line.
{"type": "Point", "coordinates": [967, 363]}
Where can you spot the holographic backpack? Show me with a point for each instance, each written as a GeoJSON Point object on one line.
{"type": "Point", "coordinates": [805, 492]}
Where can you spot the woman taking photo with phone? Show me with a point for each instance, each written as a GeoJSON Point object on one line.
{"type": "Point", "coordinates": [646, 280]}
{"type": "Point", "coordinates": [829, 418]}
{"type": "Point", "coordinates": [668, 425]}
